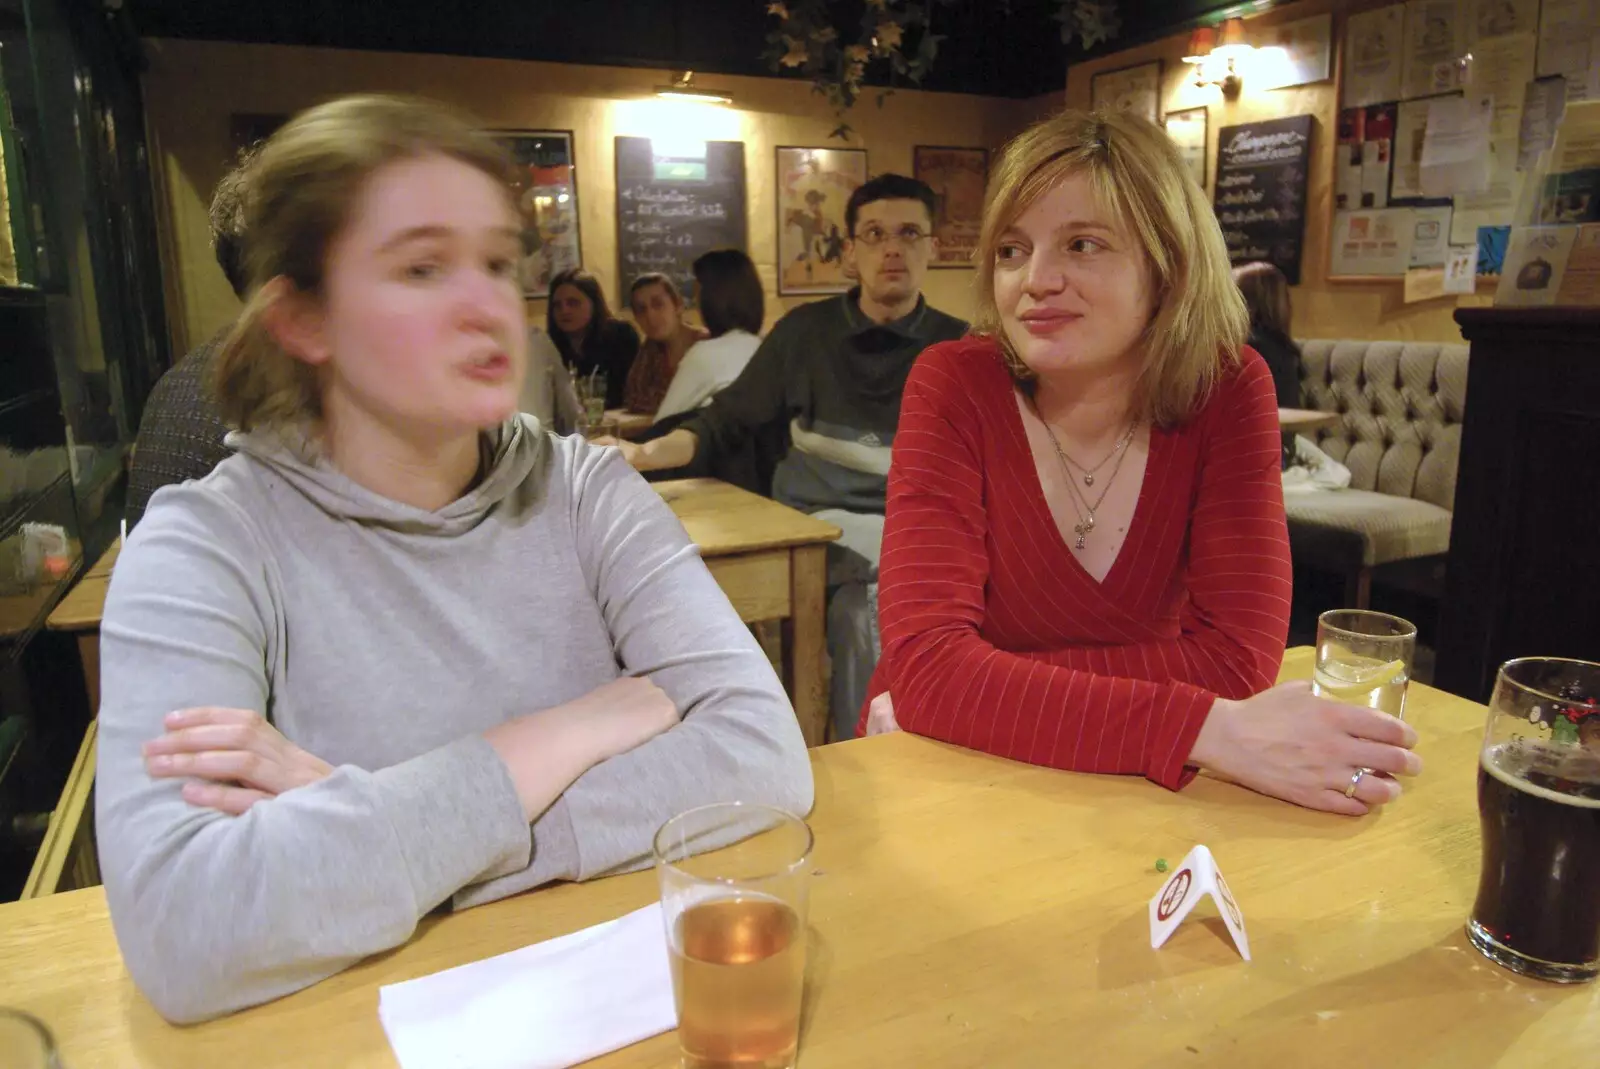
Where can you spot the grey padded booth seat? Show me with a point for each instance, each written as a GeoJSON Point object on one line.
{"type": "Point", "coordinates": [1402, 404]}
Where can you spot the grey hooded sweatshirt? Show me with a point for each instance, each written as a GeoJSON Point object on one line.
{"type": "Point", "coordinates": [385, 639]}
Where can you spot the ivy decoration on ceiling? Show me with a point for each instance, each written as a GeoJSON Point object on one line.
{"type": "Point", "coordinates": [892, 37]}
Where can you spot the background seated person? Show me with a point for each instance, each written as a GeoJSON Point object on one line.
{"type": "Point", "coordinates": [181, 431]}
{"type": "Point", "coordinates": [830, 375]}
{"type": "Point", "coordinates": [593, 343]}
{"type": "Point", "coordinates": [658, 309]}
{"type": "Point", "coordinates": [403, 648]}
{"type": "Point", "coordinates": [1085, 560]}
{"type": "Point", "coordinates": [733, 308]}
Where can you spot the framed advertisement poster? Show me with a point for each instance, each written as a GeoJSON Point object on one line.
{"type": "Point", "coordinates": [546, 192]}
{"type": "Point", "coordinates": [957, 177]}
{"type": "Point", "coordinates": [1135, 89]}
{"type": "Point", "coordinates": [1188, 130]}
{"type": "Point", "coordinates": [814, 184]}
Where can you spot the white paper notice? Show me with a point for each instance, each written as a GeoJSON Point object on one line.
{"type": "Point", "coordinates": [1436, 41]}
{"type": "Point", "coordinates": [1461, 269]}
{"type": "Point", "coordinates": [1499, 18]}
{"type": "Point", "coordinates": [1411, 124]}
{"type": "Point", "coordinates": [1501, 69]}
{"type": "Point", "coordinates": [1430, 236]}
{"type": "Point", "coordinates": [1542, 106]}
{"type": "Point", "coordinates": [1372, 243]}
{"type": "Point", "coordinates": [1374, 46]}
{"type": "Point", "coordinates": [1565, 27]}
{"type": "Point", "coordinates": [1536, 260]}
{"type": "Point", "coordinates": [1455, 146]}
{"type": "Point", "coordinates": [1196, 876]}
{"type": "Point", "coordinates": [1577, 142]}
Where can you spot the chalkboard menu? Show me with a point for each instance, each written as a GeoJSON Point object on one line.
{"type": "Point", "coordinates": [1260, 197]}
{"type": "Point", "coordinates": [670, 209]}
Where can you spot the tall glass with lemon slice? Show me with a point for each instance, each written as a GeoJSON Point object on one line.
{"type": "Point", "coordinates": [1364, 658]}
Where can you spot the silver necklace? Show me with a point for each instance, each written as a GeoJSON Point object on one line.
{"type": "Point", "coordinates": [1080, 504]}
{"type": "Point", "coordinates": [1089, 473]}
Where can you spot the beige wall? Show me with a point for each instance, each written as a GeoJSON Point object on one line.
{"type": "Point", "coordinates": [1322, 308]}
{"type": "Point", "coordinates": [193, 88]}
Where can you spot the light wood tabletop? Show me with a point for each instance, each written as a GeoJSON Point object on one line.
{"type": "Point", "coordinates": [1305, 420]}
{"type": "Point", "coordinates": [969, 911]}
{"type": "Point", "coordinates": [721, 518]}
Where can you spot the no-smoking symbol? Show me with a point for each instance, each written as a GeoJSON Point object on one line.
{"type": "Point", "coordinates": [1172, 898]}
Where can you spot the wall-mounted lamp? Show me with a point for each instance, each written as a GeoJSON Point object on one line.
{"type": "Point", "coordinates": [1219, 64]}
{"type": "Point", "coordinates": [683, 88]}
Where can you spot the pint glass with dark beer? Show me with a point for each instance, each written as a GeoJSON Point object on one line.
{"type": "Point", "coordinates": [1538, 908]}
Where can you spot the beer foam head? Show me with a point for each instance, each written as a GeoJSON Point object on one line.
{"type": "Point", "coordinates": [1533, 766]}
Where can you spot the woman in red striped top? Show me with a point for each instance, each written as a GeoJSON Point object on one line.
{"type": "Point", "coordinates": [1085, 562]}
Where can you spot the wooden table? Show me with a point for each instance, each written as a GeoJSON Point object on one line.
{"type": "Point", "coordinates": [969, 911]}
{"type": "Point", "coordinates": [772, 563]}
{"type": "Point", "coordinates": [1305, 420]}
{"type": "Point", "coordinates": [769, 559]}
{"type": "Point", "coordinates": [80, 611]}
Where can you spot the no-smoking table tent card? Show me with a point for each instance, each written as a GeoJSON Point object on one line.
{"type": "Point", "coordinates": [1195, 877]}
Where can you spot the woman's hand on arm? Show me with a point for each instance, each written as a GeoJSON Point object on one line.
{"type": "Point", "coordinates": [672, 450]}
{"type": "Point", "coordinates": [1290, 744]}
{"type": "Point", "coordinates": [232, 758]}
{"type": "Point", "coordinates": [547, 751]}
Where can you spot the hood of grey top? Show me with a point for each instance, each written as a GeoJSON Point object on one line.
{"type": "Point", "coordinates": [510, 452]}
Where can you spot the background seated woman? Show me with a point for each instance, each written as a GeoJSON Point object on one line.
{"type": "Point", "coordinates": [658, 309]}
{"type": "Point", "coordinates": [728, 291]}
{"type": "Point", "coordinates": [404, 648]}
{"type": "Point", "coordinates": [1085, 561]}
{"type": "Point", "coordinates": [593, 343]}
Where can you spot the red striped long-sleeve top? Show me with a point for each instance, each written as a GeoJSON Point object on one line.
{"type": "Point", "coordinates": [996, 638]}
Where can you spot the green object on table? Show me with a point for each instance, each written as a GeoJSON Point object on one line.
{"type": "Point", "coordinates": [1161, 864]}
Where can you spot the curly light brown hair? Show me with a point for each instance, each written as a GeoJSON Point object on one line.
{"type": "Point", "coordinates": [1200, 322]}
{"type": "Point", "coordinates": [303, 185]}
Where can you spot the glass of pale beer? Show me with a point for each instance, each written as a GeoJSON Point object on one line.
{"type": "Point", "coordinates": [1538, 907]}
{"type": "Point", "coordinates": [1364, 658]}
{"type": "Point", "coordinates": [25, 1043]}
{"type": "Point", "coordinates": [734, 882]}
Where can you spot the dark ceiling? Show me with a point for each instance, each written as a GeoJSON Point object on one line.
{"type": "Point", "coordinates": [992, 47]}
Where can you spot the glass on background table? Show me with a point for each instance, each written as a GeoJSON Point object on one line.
{"type": "Point", "coordinates": [1538, 905]}
{"type": "Point", "coordinates": [736, 932]}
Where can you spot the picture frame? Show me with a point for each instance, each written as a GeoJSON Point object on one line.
{"type": "Point", "coordinates": [813, 187]}
{"type": "Point", "coordinates": [1135, 89]}
{"type": "Point", "coordinates": [957, 177]}
{"type": "Point", "coordinates": [546, 194]}
{"type": "Point", "coordinates": [1189, 129]}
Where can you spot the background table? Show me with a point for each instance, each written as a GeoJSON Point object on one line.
{"type": "Point", "coordinates": [768, 558]}
{"type": "Point", "coordinates": [969, 911]}
{"type": "Point", "coordinates": [1305, 420]}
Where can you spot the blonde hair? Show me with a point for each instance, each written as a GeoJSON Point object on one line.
{"type": "Point", "coordinates": [1200, 321]}
{"type": "Point", "coordinates": [299, 193]}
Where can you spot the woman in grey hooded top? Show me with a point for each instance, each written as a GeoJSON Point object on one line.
{"type": "Point", "coordinates": [405, 647]}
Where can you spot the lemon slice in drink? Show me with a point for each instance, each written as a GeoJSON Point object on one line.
{"type": "Point", "coordinates": [1355, 680]}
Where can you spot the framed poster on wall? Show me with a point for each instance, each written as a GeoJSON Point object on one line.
{"type": "Point", "coordinates": [1188, 129]}
{"type": "Point", "coordinates": [814, 184]}
{"type": "Point", "coordinates": [1135, 89]}
{"type": "Point", "coordinates": [957, 177]}
{"type": "Point", "coordinates": [546, 193]}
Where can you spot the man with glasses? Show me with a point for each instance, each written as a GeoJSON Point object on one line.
{"type": "Point", "coordinates": [825, 384]}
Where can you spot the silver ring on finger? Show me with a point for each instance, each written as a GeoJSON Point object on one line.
{"type": "Point", "coordinates": [1355, 781]}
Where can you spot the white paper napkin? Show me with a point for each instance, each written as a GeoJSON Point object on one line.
{"type": "Point", "coordinates": [546, 1006]}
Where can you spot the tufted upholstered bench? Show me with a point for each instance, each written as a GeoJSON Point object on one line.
{"type": "Point", "coordinates": [1400, 436]}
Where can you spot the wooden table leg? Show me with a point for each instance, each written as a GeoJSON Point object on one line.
{"type": "Point", "coordinates": [804, 641]}
{"type": "Point", "coordinates": [89, 651]}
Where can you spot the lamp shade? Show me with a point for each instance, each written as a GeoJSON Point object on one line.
{"type": "Point", "coordinates": [1233, 32]}
{"type": "Point", "coordinates": [1201, 42]}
